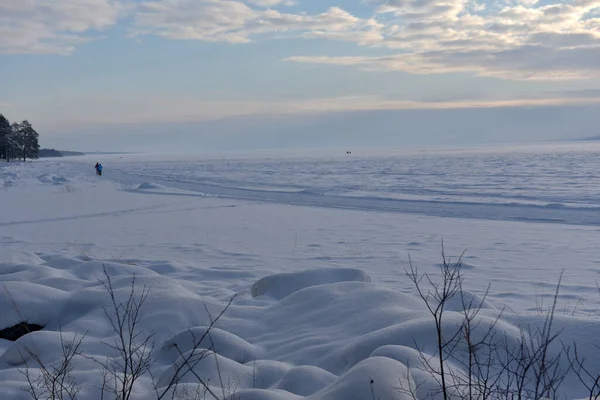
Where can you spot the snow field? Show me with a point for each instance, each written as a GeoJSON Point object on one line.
{"type": "Point", "coordinates": [316, 319]}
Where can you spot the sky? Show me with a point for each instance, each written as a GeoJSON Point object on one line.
{"type": "Point", "coordinates": [103, 75]}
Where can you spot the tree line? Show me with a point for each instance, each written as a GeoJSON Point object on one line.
{"type": "Point", "coordinates": [18, 140]}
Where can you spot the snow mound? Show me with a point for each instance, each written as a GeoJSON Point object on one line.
{"type": "Point", "coordinates": [149, 186]}
{"type": "Point", "coordinates": [374, 377]}
{"type": "Point", "coordinates": [8, 175]}
{"type": "Point", "coordinates": [262, 394]}
{"type": "Point", "coordinates": [156, 188]}
{"type": "Point", "coordinates": [5, 345]}
{"type": "Point", "coordinates": [8, 180]}
{"type": "Point", "coordinates": [323, 334]}
{"type": "Point", "coordinates": [279, 286]}
{"type": "Point", "coordinates": [222, 342]}
{"type": "Point", "coordinates": [463, 265]}
{"type": "Point", "coordinates": [20, 257]}
{"type": "Point", "coordinates": [413, 360]}
{"type": "Point", "coordinates": [52, 179]}
{"type": "Point", "coordinates": [209, 366]}
{"type": "Point", "coordinates": [214, 368]}
{"type": "Point", "coordinates": [29, 302]}
{"type": "Point", "coordinates": [46, 345]}
{"type": "Point", "coordinates": [305, 380]}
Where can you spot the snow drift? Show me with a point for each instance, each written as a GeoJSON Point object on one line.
{"type": "Point", "coordinates": [282, 285]}
{"type": "Point", "coordinates": [323, 334]}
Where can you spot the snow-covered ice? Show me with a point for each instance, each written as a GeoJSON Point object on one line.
{"type": "Point", "coordinates": [314, 249]}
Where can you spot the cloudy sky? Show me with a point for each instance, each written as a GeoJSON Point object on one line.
{"type": "Point", "coordinates": [183, 74]}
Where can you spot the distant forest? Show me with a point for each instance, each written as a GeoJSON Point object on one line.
{"type": "Point", "coordinates": [57, 153]}
{"type": "Point", "coordinates": [19, 141]}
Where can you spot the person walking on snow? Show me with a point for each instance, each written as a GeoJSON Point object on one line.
{"type": "Point", "coordinates": [99, 169]}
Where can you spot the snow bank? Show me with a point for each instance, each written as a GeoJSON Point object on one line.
{"type": "Point", "coordinates": [52, 179]}
{"type": "Point", "coordinates": [157, 188]}
{"type": "Point", "coordinates": [224, 343]}
{"type": "Point", "coordinates": [149, 186]}
{"type": "Point", "coordinates": [380, 377]}
{"type": "Point", "coordinates": [23, 257]}
{"type": "Point", "coordinates": [282, 285]}
{"type": "Point", "coordinates": [305, 380]}
{"type": "Point", "coordinates": [318, 334]}
{"type": "Point", "coordinates": [39, 173]}
{"type": "Point", "coordinates": [29, 302]}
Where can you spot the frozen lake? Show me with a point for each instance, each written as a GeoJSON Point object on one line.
{"type": "Point", "coordinates": [201, 228]}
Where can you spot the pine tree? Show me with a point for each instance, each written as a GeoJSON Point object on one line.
{"type": "Point", "coordinates": [13, 142]}
{"type": "Point", "coordinates": [5, 134]}
{"type": "Point", "coordinates": [27, 140]}
{"type": "Point", "coordinates": [32, 142]}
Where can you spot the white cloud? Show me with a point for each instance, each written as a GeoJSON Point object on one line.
{"type": "Point", "coordinates": [236, 22]}
{"type": "Point", "coordinates": [272, 3]}
{"type": "Point", "coordinates": [53, 26]}
{"type": "Point", "coordinates": [524, 62]}
{"type": "Point", "coordinates": [507, 39]}
{"type": "Point", "coordinates": [511, 39]}
{"type": "Point", "coordinates": [210, 20]}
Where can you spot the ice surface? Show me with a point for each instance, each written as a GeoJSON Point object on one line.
{"type": "Point", "coordinates": [314, 249]}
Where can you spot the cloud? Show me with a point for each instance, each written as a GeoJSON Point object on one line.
{"type": "Point", "coordinates": [508, 39]}
{"type": "Point", "coordinates": [531, 62]}
{"type": "Point", "coordinates": [272, 3]}
{"type": "Point", "coordinates": [53, 26]}
{"type": "Point", "coordinates": [236, 22]}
